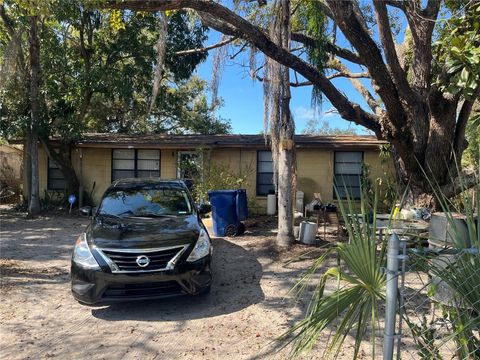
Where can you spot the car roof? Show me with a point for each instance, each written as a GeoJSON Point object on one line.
{"type": "Point", "coordinates": [147, 183]}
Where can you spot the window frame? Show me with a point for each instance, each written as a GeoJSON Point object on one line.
{"type": "Point", "coordinates": [49, 179]}
{"type": "Point", "coordinates": [335, 197]}
{"type": "Point", "coordinates": [258, 174]}
{"type": "Point", "coordinates": [135, 162]}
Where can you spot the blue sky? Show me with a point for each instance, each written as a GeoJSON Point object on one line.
{"type": "Point", "coordinates": [243, 98]}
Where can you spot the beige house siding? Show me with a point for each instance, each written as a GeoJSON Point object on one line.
{"type": "Point", "coordinates": [42, 171]}
{"type": "Point", "coordinates": [315, 173]}
{"type": "Point", "coordinates": [168, 164]}
{"type": "Point", "coordinates": [315, 169]}
{"type": "Point", "coordinates": [97, 168]}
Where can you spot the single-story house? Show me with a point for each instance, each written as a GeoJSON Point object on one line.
{"type": "Point", "coordinates": [103, 158]}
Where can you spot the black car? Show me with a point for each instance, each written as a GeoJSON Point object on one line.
{"type": "Point", "coordinates": [146, 240]}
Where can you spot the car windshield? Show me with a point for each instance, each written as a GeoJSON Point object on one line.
{"type": "Point", "coordinates": [145, 202]}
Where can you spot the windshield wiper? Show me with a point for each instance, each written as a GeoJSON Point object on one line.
{"type": "Point", "coordinates": [153, 215]}
{"type": "Point", "coordinates": [116, 216]}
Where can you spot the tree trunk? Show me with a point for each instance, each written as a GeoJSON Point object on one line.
{"type": "Point", "coordinates": [286, 173]}
{"type": "Point", "coordinates": [63, 159]}
{"type": "Point", "coordinates": [34, 48]}
{"type": "Point", "coordinates": [27, 166]}
{"type": "Point", "coordinates": [285, 145]}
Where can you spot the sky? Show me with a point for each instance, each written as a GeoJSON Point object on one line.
{"type": "Point", "coordinates": [243, 98]}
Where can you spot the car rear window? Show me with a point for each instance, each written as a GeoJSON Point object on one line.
{"type": "Point", "coordinates": [146, 202]}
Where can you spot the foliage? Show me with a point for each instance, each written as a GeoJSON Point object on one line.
{"type": "Point", "coordinates": [459, 49]}
{"type": "Point", "coordinates": [360, 286]}
{"type": "Point", "coordinates": [310, 19]}
{"type": "Point", "coordinates": [209, 176]}
{"type": "Point", "coordinates": [97, 71]}
{"type": "Point", "coordinates": [313, 127]}
{"type": "Point", "coordinates": [220, 177]}
{"type": "Point", "coordinates": [461, 274]}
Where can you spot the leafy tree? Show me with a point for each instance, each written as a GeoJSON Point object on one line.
{"type": "Point", "coordinates": [314, 127]}
{"type": "Point", "coordinates": [96, 75]}
{"type": "Point", "coordinates": [415, 107]}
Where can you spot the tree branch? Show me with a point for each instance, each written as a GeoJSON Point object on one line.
{"type": "Point", "coordinates": [467, 179]}
{"type": "Point", "coordinates": [347, 74]}
{"type": "Point", "coordinates": [421, 24]}
{"type": "Point", "coordinates": [463, 116]}
{"type": "Point", "coordinates": [399, 4]}
{"type": "Point", "coordinates": [399, 76]}
{"type": "Point", "coordinates": [351, 26]}
{"type": "Point", "coordinates": [369, 98]}
{"type": "Point", "coordinates": [205, 49]}
{"type": "Point", "coordinates": [224, 20]}
{"type": "Point", "coordinates": [332, 48]}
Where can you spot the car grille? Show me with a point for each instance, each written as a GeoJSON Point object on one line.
{"type": "Point", "coordinates": [159, 259]}
{"type": "Point", "coordinates": [165, 288]}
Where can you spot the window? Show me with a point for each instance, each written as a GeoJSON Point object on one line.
{"type": "Point", "coordinates": [264, 173]}
{"type": "Point", "coordinates": [135, 163]}
{"type": "Point", "coordinates": [145, 202]}
{"type": "Point", "coordinates": [348, 170]}
{"type": "Point", "coordinates": [188, 165]}
{"type": "Point", "coordinates": [56, 180]}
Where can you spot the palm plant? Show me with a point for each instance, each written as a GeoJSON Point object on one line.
{"type": "Point", "coordinates": [352, 306]}
{"type": "Point", "coordinates": [462, 273]}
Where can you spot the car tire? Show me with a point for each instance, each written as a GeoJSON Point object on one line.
{"type": "Point", "coordinates": [205, 291]}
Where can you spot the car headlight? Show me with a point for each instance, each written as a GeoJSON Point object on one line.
{"type": "Point", "coordinates": [82, 254]}
{"type": "Point", "coordinates": [202, 247]}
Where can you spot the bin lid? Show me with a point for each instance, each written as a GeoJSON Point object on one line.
{"type": "Point", "coordinates": [222, 192]}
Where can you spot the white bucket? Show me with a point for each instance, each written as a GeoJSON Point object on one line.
{"type": "Point", "coordinates": [296, 232]}
{"type": "Point", "coordinates": [308, 232]}
{"type": "Point", "coordinates": [271, 204]}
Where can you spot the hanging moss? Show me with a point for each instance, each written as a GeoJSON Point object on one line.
{"type": "Point", "coordinates": [312, 21]}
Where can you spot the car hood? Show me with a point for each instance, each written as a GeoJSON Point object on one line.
{"type": "Point", "coordinates": [143, 233]}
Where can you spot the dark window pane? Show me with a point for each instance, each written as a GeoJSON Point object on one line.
{"type": "Point", "coordinates": [120, 174]}
{"type": "Point", "coordinates": [264, 172]}
{"type": "Point", "coordinates": [123, 164]}
{"type": "Point", "coordinates": [265, 167]}
{"type": "Point", "coordinates": [148, 154]}
{"type": "Point", "coordinates": [264, 190]}
{"type": "Point", "coordinates": [54, 184]}
{"type": "Point", "coordinates": [354, 192]}
{"type": "Point", "coordinates": [347, 180]}
{"type": "Point", "coordinates": [55, 174]}
{"type": "Point", "coordinates": [348, 170]}
{"type": "Point", "coordinates": [265, 179]}
{"type": "Point", "coordinates": [348, 156]}
{"type": "Point", "coordinates": [124, 154]}
{"type": "Point", "coordinates": [147, 173]}
{"type": "Point", "coordinates": [265, 155]}
{"type": "Point", "coordinates": [56, 180]}
{"type": "Point", "coordinates": [148, 164]}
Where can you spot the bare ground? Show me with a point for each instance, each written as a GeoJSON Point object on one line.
{"type": "Point", "coordinates": [248, 308]}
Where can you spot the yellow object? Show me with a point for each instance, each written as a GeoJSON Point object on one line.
{"type": "Point", "coordinates": [396, 211]}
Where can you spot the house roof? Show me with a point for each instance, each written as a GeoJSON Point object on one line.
{"type": "Point", "coordinates": [164, 141]}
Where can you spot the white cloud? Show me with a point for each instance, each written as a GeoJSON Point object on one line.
{"type": "Point", "coordinates": [303, 113]}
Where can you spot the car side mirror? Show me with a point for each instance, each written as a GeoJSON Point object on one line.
{"type": "Point", "coordinates": [86, 211]}
{"type": "Point", "coordinates": [204, 209]}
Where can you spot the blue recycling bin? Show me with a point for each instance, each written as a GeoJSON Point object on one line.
{"type": "Point", "coordinates": [224, 212]}
{"type": "Point", "coordinates": [242, 204]}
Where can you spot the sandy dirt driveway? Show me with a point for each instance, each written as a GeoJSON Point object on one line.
{"type": "Point", "coordinates": [248, 307]}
